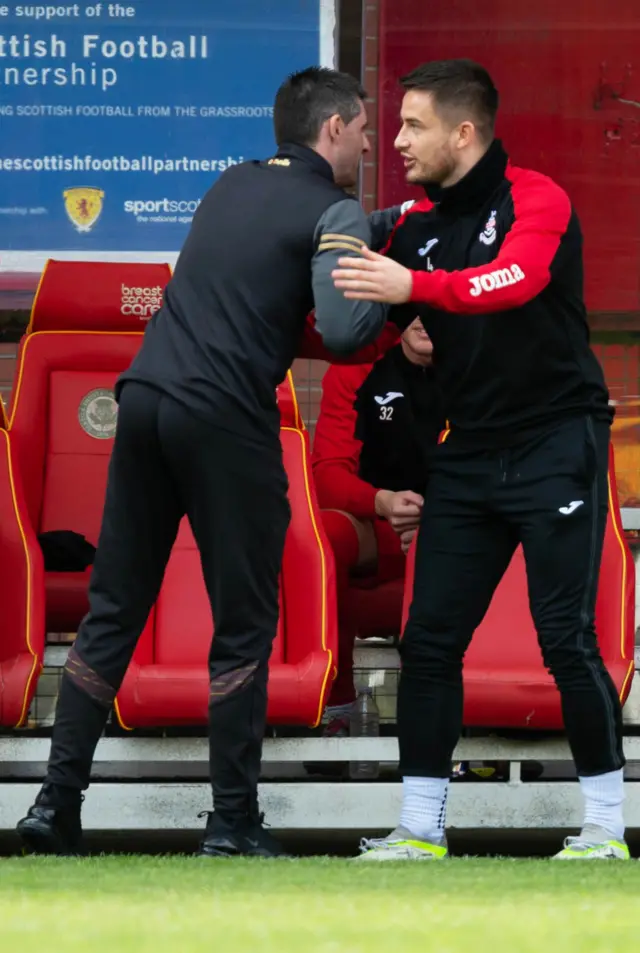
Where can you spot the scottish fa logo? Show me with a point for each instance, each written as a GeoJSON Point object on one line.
{"type": "Point", "coordinates": [83, 205]}
{"type": "Point", "coordinates": [488, 236]}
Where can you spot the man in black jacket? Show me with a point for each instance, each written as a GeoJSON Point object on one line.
{"type": "Point", "coordinates": [198, 434]}
{"type": "Point", "coordinates": [491, 260]}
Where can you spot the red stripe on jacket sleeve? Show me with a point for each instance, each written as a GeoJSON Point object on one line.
{"type": "Point", "coordinates": [336, 451]}
{"type": "Point", "coordinates": [312, 347]}
{"type": "Point", "coordinates": [521, 269]}
{"type": "Point", "coordinates": [424, 205]}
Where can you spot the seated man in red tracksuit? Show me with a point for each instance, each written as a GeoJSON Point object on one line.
{"type": "Point", "coordinates": [377, 425]}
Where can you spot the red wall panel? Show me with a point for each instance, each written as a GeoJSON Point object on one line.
{"type": "Point", "coordinates": [563, 70]}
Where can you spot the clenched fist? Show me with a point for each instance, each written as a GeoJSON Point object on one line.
{"type": "Point", "coordinates": [402, 508]}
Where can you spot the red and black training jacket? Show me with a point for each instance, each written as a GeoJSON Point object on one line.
{"type": "Point", "coordinates": [498, 283]}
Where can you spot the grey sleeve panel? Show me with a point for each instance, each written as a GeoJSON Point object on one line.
{"type": "Point", "coordinates": [345, 326]}
{"type": "Point", "coordinates": [383, 221]}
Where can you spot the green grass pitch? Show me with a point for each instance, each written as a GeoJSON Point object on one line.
{"type": "Point", "coordinates": [183, 904]}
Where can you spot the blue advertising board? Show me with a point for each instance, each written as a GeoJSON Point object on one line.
{"type": "Point", "coordinates": [115, 118]}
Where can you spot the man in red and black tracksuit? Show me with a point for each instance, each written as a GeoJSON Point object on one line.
{"type": "Point", "coordinates": [376, 430]}
{"type": "Point", "coordinates": [491, 259]}
{"type": "Point", "coordinates": [198, 435]}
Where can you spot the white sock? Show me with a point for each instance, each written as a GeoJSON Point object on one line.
{"type": "Point", "coordinates": [424, 807]}
{"type": "Point", "coordinates": [603, 797]}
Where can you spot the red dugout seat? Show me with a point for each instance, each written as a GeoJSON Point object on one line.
{"type": "Point", "coordinates": [21, 593]}
{"type": "Point", "coordinates": [167, 682]}
{"type": "Point", "coordinates": [86, 326]}
{"type": "Point", "coordinates": [505, 682]}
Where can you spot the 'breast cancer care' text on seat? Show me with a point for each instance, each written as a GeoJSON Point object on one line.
{"type": "Point", "coordinates": [167, 682]}
{"type": "Point", "coordinates": [505, 682]}
{"type": "Point", "coordinates": [86, 326]}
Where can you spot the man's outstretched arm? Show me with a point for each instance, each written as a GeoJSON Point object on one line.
{"type": "Point", "coordinates": [519, 273]}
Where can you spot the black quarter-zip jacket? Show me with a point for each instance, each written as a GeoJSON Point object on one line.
{"type": "Point", "coordinates": [258, 257]}
{"type": "Point", "coordinates": [498, 283]}
{"type": "Point", "coordinates": [399, 418]}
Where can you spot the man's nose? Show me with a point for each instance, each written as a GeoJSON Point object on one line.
{"type": "Point", "coordinates": [400, 142]}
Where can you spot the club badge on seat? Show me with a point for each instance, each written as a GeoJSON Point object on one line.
{"type": "Point", "coordinates": [98, 413]}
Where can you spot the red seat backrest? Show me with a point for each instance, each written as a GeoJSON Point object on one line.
{"type": "Point", "coordinates": [86, 326]}
{"type": "Point", "coordinates": [76, 462]}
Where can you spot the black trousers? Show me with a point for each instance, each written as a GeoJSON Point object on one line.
{"type": "Point", "coordinates": [549, 494]}
{"type": "Point", "coordinates": [167, 463]}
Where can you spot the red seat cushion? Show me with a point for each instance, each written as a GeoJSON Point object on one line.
{"type": "Point", "coordinates": [505, 682]}
{"type": "Point", "coordinates": [167, 682]}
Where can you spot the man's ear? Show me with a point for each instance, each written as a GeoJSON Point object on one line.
{"type": "Point", "coordinates": [335, 126]}
{"type": "Point", "coordinates": [466, 134]}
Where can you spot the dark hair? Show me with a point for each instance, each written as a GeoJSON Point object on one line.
{"type": "Point", "coordinates": [459, 85]}
{"type": "Point", "coordinates": [307, 99]}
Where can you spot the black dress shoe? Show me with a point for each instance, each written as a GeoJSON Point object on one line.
{"type": "Point", "coordinates": [52, 825]}
{"type": "Point", "coordinates": [243, 836]}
